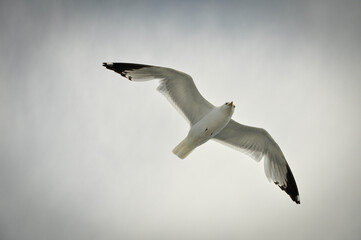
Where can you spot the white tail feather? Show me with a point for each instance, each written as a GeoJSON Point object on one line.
{"type": "Point", "coordinates": [183, 149]}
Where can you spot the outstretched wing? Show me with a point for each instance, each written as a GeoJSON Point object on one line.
{"type": "Point", "coordinates": [258, 143]}
{"type": "Point", "coordinates": [177, 86]}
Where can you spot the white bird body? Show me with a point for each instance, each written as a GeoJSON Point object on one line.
{"type": "Point", "coordinates": [206, 128]}
{"type": "Point", "coordinates": [209, 122]}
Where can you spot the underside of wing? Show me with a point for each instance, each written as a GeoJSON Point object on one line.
{"type": "Point", "coordinates": [176, 86]}
{"type": "Point", "coordinates": [258, 143]}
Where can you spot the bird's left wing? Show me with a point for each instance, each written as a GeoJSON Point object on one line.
{"type": "Point", "coordinates": [258, 143]}
{"type": "Point", "coordinates": [176, 86]}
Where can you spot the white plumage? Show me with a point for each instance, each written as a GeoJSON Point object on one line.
{"type": "Point", "coordinates": [210, 122]}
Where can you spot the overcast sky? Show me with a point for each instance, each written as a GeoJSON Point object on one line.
{"type": "Point", "coordinates": [86, 154]}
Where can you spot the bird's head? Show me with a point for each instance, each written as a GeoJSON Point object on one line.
{"type": "Point", "coordinates": [228, 106]}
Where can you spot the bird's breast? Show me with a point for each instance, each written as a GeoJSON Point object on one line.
{"type": "Point", "coordinates": [209, 126]}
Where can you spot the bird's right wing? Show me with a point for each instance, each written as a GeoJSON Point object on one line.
{"type": "Point", "coordinates": [176, 86]}
{"type": "Point", "coordinates": [258, 143]}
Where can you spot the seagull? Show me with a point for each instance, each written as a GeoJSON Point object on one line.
{"type": "Point", "coordinates": [212, 122]}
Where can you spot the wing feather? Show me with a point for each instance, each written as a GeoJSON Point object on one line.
{"type": "Point", "coordinates": [258, 144]}
{"type": "Point", "coordinates": [176, 86]}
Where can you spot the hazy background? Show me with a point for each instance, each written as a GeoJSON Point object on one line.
{"type": "Point", "coordinates": [86, 154]}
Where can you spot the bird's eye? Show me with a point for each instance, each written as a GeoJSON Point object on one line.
{"type": "Point", "coordinates": [226, 103]}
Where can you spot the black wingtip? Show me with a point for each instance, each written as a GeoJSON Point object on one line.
{"type": "Point", "coordinates": [124, 68]}
{"type": "Point", "coordinates": [108, 65]}
{"type": "Point", "coordinates": [291, 187]}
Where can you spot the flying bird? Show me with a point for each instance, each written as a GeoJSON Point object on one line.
{"type": "Point", "coordinates": [212, 122]}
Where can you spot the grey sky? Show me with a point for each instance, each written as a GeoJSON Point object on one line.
{"type": "Point", "coordinates": [85, 154]}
